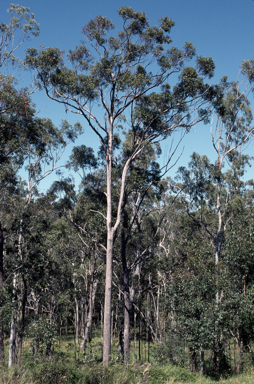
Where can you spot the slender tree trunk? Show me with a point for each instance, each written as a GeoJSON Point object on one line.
{"type": "Point", "coordinates": [13, 324]}
{"type": "Point", "coordinates": [1, 287]}
{"type": "Point", "coordinates": [158, 333]}
{"type": "Point", "coordinates": [22, 322]}
{"type": "Point", "coordinates": [88, 322]}
{"type": "Point", "coordinates": [193, 361]}
{"type": "Point", "coordinates": [76, 321]}
{"type": "Point", "coordinates": [111, 229]}
{"type": "Point", "coordinates": [82, 320]}
{"type": "Point", "coordinates": [102, 322]}
{"type": "Point", "coordinates": [66, 322]}
{"type": "Point", "coordinates": [127, 304]}
{"type": "Point", "coordinates": [135, 335]}
{"type": "Point", "coordinates": [148, 322]}
{"type": "Point", "coordinates": [12, 340]}
{"type": "Point", "coordinates": [201, 361]}
{"type": "Point", "coordinates": [36, 318]}
{"type": "Point", "coordinates": [20, 253]}
{"type": "Point", "coordinates": [109, 255]}
{"type": "Point", "coordinates": [107, 302]}
{"type": "Point", "coordinates": [127, 309]}
{"type": "Point", "coordinates": [139, 320]}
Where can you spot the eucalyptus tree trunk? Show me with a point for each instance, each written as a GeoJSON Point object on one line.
{"type": "Point", "coordinates": [13, 323]}
{"type": "Point", "coordinates": [127, 303]}
{"type": "Point", "coordinates": [22, 320]}
{"type": "Point", "coordinates": [127, 310]}
{"type": "Point", "coordinates": [109, 256]}
{"type": "Point", "coordinates": [88, 323]}
{"type": "Point", "coordinates": [76, 321]}
{"type": "Point", "coordinates": [15, 281]}
{"type": "Point", "coordinates": [108, 298]}
{"type": "Point", "coordinates": [111, 229]}
{"type": "Point", "coordinates": [36, 299]}
{"type": "Point", "coordinates": [218, 240]}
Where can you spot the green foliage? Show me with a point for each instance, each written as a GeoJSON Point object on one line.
{"type": "Point", "coordinates": [163, 374]}
{"type": "Point", "coordinates": [171, 271]}
{"type": "Point", "coordinates": [43, 332]}
{"type": "Point", "coordinates": [22, 25]}
{"type": "Point", "coordinates": [51, 372]}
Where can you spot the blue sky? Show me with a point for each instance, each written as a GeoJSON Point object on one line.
{"type": "Point", "coordinates": [222, 29]}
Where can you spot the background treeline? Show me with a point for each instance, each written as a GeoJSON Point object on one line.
{"type": "Point", "coordinates": [161, 268]}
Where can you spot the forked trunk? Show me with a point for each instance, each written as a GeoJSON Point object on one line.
{"type": "Point", "coordinates": [111, 229]}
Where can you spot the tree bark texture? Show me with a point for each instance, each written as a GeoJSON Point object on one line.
{"type": "Point", "coordinates": [107, 301]}
{"type": "Point", "coordinates": [88, 322]}
{"type": "Point", "coordinates": [127, 304]}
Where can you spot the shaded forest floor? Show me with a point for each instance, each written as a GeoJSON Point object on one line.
{"type": "Point", "coordinates": [53, 372]}
{"type": "Point", "coordinates": [68, 365]}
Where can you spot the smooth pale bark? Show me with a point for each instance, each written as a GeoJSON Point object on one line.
{"type": "Point", "coordinates": [127, 304]}
{"type": "Point", "coordinates": [107, 301]}
{"type": "Point", "coordinates": [127, 309]}
{"type": "Point", "coordinates": [110, 244]}
{"type": "Point", "coordinates": [111, 230]}
{"type": "Point", "coordinates": [218, 242]}
{"type": "Point", "coordinates": [109, 255]}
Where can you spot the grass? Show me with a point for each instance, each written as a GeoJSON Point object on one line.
{"type": "Point", "coordinates": [68, 365]}
{"type": "Point", "coordinates": [53, 372]}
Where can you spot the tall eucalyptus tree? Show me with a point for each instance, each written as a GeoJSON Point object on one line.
{"type": "Point", "coordinates": [127, 75]}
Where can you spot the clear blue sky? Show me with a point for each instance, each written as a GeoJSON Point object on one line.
{"type": "Point", "coordinates": [222, 29]}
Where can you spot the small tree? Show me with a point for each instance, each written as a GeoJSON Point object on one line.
{"type": "Point", "coordinates": [42, 161]}
{"type": "Point", "coordinates": [212, 194]}
{"type": "Point", "coordinates": [206, 184]}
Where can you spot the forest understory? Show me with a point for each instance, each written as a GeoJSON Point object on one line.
{"type": "Point", "coordinates": [132, 275]}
